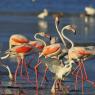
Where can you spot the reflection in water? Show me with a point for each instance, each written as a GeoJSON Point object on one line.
{"type": "Point", "coordinates": [43, 25]}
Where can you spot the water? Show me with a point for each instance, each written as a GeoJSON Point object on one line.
{"type": "Point", "coordinates": [20, 16]}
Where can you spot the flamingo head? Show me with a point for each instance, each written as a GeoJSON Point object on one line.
{"type": "Point", "coordinates": [44, 34]}
{"type": "Point", "coordinates": [57, 17]}
{"type": "Point", "coordinates": [72, 28]}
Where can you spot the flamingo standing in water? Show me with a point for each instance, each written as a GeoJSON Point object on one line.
{"type": "Point", "coordinates": [79, 53]}
{"type": "Point", "coordinates": [54, 65]}
{"type": "Point", "coordinates": [18, 39]}
{"type": "Point", "coordinates": [24, 49]}
{"type": "Point", "coordinates": [52, 51]}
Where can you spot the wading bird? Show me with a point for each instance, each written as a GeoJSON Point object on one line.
{"type": "Point", "coordinates": [20, 51]}
{"type": "Point", "coordinates": [54, 65]}
{"type": "Point", "coordinates": [54, 50]}
{"type": "Point", "coordinates": [78, 53]}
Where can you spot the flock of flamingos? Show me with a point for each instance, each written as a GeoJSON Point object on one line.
{"type": "Point", "coordinates": [56, 57]}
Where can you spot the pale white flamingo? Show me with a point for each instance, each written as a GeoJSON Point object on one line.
{"type": "Point", "coordinates": [90, 11]}
{"type": "Point", "coordinates": [43, 14]}
{"type": "Point", "coordinates": [54, 65]}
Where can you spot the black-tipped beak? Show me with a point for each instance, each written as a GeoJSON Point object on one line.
{"type": "Point", "coordinates": [58, 22]}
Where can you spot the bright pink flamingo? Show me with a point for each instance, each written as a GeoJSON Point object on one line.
{"type": "Point", "coordinates": [18, 39]}
{"type": "Point", "coordinates": [24, 48]}
{"type": "Point", "coordinates": [20, 52]}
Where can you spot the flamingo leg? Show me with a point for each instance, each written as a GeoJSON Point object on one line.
{"type": "Point", "coordinates": [36, 72]}
{"type": "Point", "coordinates": [76, 80]}
{"type": "Point", "coordinates": [86, 76]}
{"type": "Point", "coordinates": [21, 70]}
{"type": "Point", "coordinates": [77, 68]}
{"type": "Point", "coordinates": [24, 63]}
{"type": "Point", "coordinates": [18, 65]}
{"type": "Point", "coordinates": [44, 78]}
{"type": "Point", "coordinates": [31, 59]}
{"type": "Point", "coordinates": [82, 80]}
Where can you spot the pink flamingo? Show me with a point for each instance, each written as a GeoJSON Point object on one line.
{"type": "Point", "coordinates": [21, 50]}
{"type": "Point", "coordinates": [78, 53]}
{"type": "Point", "coordinates": [54, 50]}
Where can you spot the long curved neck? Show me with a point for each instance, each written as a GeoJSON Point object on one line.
{"type": "Point", "coordinates": [62, 32]}
{"type": "Point", "coordinates": [38, 39]}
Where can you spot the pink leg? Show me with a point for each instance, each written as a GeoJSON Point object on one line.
{"type": "Point", "coordinates": [44, 78]}
{"type": "Point", "coordinates": [77, 72]}
{"type": "Point", "coordinates": [21, 70]}
{"type": "Point", "coordinates": [31, 59]}
{"type": "Point", "coordinates": [18, 64]}
{"type": "Point", "coordinates": [82, 80]}
{"type": "Point", "coordinates": [36, 72]}
{"type": "Point", "coordinates": [86, 76]}
{"type": "Point", "coordinates": [24, 63]}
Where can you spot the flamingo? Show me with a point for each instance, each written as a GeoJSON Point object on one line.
{"type": "Point", "coordinates": [20, 51]}
{"type": "Point", "coordinates": [60, 71]}
{"type": "Point", "coordinates": [78, 53]}
{"type": "Point", "coordinates": [18, 39]}
{"type": "Point", "coordinates": [43, 14]}
{"type": "Point", "coordinates": [54, 50]}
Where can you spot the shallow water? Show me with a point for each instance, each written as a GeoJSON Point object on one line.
{"type": "Point", "coordinates": [20, 16]}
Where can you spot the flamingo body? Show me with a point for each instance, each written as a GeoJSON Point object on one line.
{"type": "Point", "coordinates": [51, 49]}
{"type": "Point", "coordinates": [17, 39]}
{"type": "Point", "coordinates": [22, 49]}
{"type": "Point", "coordinates": [36, 44]}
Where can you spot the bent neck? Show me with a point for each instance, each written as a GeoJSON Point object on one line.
{"type": "Point", "coordinates": [38, 39]}
{"type": "Point", "coordinates": [62, 32]}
